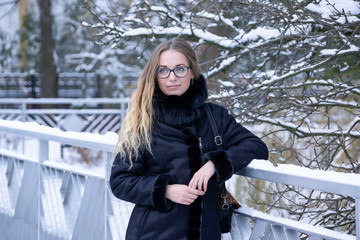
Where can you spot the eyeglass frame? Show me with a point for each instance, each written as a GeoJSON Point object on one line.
{"type": "Point", "coordinates": [172, 70]}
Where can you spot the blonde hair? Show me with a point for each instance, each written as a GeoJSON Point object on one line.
{"type": "Point", "coordinates": [135, 133]}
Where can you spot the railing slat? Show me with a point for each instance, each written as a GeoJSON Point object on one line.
{"type": "Point", "coordinates": [279, 233]}
{"type": "Point", "coordinates": [240, 227]}
{"type": "Point", "coordinates": [27, 202]}
{"type": "Point", "coordinates": [357, 214]}
{"type": "Point", "coordinates": [5, 203]}
{"type": "Point", "coordinates": [292, 235]}
{"type": "Point", "coordinates": [268, 235]}
{"type": "Point", "coordinates": [259, 230]}
{"type": "Point", "coordinates": [89, 223]}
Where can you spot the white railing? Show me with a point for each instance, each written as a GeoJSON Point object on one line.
{"type": "Point", "coordinates": [44, 198]}
{"type": "Point", "coordinates": [75, 114]}
{"type": "Point", "coordinates": [347, 184]}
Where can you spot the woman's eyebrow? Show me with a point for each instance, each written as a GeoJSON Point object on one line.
{"type": "Point", "coordinates": [181, 64]}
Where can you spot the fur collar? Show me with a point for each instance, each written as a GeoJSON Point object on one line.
{"type": "Point", "coordinates": [179, 110]}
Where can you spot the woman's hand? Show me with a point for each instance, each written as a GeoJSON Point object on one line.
{"type": "Point", "coordinates": [182, 194]}
{"type": "Point", "coordinates": [201, 177]}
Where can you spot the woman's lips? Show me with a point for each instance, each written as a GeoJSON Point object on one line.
{"type": "Point", "coordinates": [173, 86]}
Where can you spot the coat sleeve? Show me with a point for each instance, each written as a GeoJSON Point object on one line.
{"type": "Point", "coordinates": [136, 186]}
{"type": "Point", "coordinates": [240, 146]}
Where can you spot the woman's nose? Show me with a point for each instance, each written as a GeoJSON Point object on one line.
{"type": "Point", "coordinates": [172, 76]}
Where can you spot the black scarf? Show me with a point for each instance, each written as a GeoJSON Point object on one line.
{"type": "Point", "coordinates": [179, 110]}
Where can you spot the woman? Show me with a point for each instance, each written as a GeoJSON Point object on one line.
{"type": "Point", "coordinates": [167, 162]}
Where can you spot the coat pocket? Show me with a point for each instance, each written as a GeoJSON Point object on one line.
{"type": "Point", "coordinates": [136, 222]}
{"type": "Point", "coordinates": [143, 220]}
{"type": "Point", "coordinates": [147, 224]}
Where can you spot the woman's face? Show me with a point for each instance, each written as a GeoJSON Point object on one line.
{"type": "Point", "coordinates": [173, 73]}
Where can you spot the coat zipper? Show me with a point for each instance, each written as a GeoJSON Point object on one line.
{"type": "Point", "coordinates": [202, 202]}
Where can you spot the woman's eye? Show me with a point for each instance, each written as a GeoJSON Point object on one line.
{"type": "Point", "coordinates": [162, 70]}
{"type": "Point", "coordinates": [180, 69]}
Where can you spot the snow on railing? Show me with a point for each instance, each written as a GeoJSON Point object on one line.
{"type": "Point", "coordinates": [69, 114]}
{"type": "Point", "coordinates": [44, 198]}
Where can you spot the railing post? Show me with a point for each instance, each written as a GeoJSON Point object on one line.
{"type": "Point", "coordinates": [23, 111]}
{"type": "Point", "coordinates": [43, 156]}
{"type": "Point", "coordinates": [357, 217]}
{"type": "Point", "coordinates": [107, 176]}
{"type": "Point", "coordinates": [43, 151]}
{"type": "Point", "coordinates": [123, 109]}
{"type": "Point", "coordinates": [23, 119]}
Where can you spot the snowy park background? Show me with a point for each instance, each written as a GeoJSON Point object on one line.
{"type": "Point", "coordinates": [287, 70]}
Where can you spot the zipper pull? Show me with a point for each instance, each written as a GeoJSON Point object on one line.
{"type": "Point", "coordinates": [200, 146]}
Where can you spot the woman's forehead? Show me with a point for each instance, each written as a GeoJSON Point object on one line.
{"type": "Point", "coordinates": [172, 58]}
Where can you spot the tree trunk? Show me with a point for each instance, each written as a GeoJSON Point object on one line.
{"type": "Point", "coordinates": [22, 6]}
{"type": "Point", "coordinates": [48, 74]}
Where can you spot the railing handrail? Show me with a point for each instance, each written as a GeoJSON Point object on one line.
{"type": "Point", "coordinates": [347, 184]}
{"type": "Point", "coordinates": [104, 142]}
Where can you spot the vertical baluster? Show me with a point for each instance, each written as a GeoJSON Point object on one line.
{"type": "Point", "coordinates": [43, 156]}
{"type": "Point", "coordinates": [107, 199]}
{"type": "Point", "coordinates": [259, 229]}
{"type": "Point", "coordinates": [292, 234]}
{"type": "Point", "coordinates": [279, 233]}
{"type": "Point", "coordinates": [357, 216]}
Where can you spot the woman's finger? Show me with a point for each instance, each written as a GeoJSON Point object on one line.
{"type": "Point", "coordinates": [193, 183]}
{"type": "Point", "coordinates": [196, 192]}
{"type": "Point", "coordinates": [200, 185]}
{"type": "Point", "coordinates": [206, 181]}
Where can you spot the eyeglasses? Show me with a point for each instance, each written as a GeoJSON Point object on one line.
{"type": "Point", "coordinates": [180, 71]}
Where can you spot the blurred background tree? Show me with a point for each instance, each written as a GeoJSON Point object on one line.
{"type": "Point", "coordinates": [74, 48]}
{"type": "Point", "coordinates": [48, 71]}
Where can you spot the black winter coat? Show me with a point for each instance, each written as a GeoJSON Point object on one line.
{"type": "Point", "coordinates": [180, 122]}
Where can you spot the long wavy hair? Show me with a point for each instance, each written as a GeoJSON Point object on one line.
{"type": "Point", "coordinates": [135, 133]}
